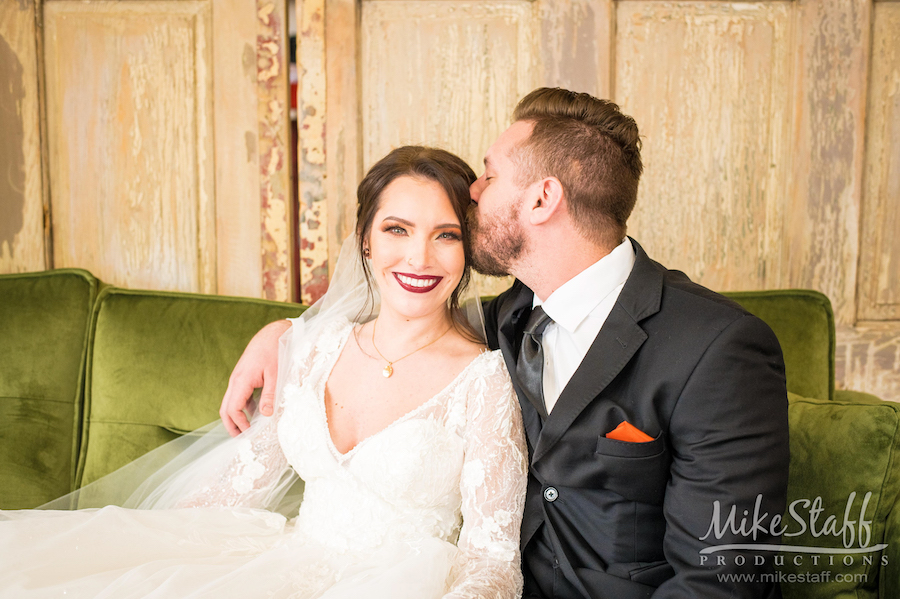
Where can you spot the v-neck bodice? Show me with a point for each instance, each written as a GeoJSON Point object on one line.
{"type": "Point", "coordinates": [405, 477]}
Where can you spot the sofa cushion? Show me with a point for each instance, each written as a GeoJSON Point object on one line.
{"type": "Point", "coordinates": [804, 324]}
{"type": "Point", "coordinates": [43, 326]}
{"type": "Point", "coordinates": [159, 366]}
{"type": "Point", "coordinates": [843, 452]}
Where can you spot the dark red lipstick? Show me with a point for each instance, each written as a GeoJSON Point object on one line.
{"type": "Point", "coordinates": [417, 283]}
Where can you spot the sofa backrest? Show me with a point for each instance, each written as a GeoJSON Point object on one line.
{"type": "Point", "coordinates": [804, 324]}
{"type": "Point", "coordinates": [158, 366]}
{"type": "Point", "coordinates": [44, 321]}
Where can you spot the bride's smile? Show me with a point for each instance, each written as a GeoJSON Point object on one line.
{"type": "Point", "coordinates": [417, 284]}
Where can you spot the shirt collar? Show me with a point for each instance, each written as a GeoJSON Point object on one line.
{"type": "Point", "coordinates": [571, 303]}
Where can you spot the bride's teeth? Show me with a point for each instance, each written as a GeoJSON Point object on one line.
{"type": "Point", "coordinates": [417, 282]}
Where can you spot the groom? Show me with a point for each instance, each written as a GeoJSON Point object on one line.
{"type": "Point", "coordinates": [655, 409]}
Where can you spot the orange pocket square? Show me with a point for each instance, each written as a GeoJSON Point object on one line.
{"type": "Point", "coordinates": [628, 432]}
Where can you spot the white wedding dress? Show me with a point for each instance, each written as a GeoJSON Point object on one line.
{"type": "Point", "coordinates": [428, 507]}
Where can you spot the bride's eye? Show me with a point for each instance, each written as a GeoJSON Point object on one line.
{"type": "Point", "coordinates": [450, 235]}
{"type": "Point", "coordinates": [395, 230]}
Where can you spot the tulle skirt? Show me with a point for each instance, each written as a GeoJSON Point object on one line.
{"type": "Point", "coordinates": [120, 553]}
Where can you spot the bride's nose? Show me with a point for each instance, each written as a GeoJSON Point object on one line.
{"type": "Point", "coordinates": [419, 254]}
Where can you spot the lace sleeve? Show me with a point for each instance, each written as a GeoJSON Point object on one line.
{"type": "Point", "coordinates": [253, 471]}
{"type": "Point", "coordinates": [250, 470]}
{"type": "Point", "coordinates": [493, 485]}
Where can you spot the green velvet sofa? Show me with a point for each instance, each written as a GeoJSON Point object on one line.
{"type": "Point", "coordinates": [93, 376]}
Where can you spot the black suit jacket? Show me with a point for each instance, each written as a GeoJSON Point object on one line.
{"type": "Point", "coordinates": [705, 379]}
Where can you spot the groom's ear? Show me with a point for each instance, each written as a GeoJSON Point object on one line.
{"type": "Point", "coordinates": [548, 201]}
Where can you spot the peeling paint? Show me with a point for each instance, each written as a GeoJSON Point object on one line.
{"type": "Point", "coordinates": [317, 283]}
{"type": "Point", "coordinates": [867, 358]}
{"type": "Point", "coordinates": [248, 61]}
{"type": "Point", "coordinates": [12, 150]}
{"type": "Point", "coordinates": [250, 144]}
{"type": "Point", "coordinates": [311, 111]}
{"type": "Point", "coordinates": [22, 238]}
{"type": "Point", "coordinates": [271, 50]}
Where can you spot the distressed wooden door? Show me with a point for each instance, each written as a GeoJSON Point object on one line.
{"type": "Point", "coordinates": [762, 170]}
{"type": "Point", "coordinates": [148, 142]}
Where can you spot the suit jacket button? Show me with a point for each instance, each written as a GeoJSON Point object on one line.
{"type": "Point", "coordinates": [550, 494]}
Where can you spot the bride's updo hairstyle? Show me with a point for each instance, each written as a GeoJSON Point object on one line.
{"type": "Point", "coordinates": [432, 164]}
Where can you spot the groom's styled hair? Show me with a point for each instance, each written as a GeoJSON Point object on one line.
{"type": "Point", "coordinates": [592, 148]}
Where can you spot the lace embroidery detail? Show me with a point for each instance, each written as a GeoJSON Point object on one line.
{"type": "Point", "coordinates": [249, 469]}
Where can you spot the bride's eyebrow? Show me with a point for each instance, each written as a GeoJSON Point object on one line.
{"type": "Point", "coordinates": [402, 221]}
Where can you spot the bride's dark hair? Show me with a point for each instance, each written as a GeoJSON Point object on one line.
{"type": "Point", "coordinates": [447, 170]}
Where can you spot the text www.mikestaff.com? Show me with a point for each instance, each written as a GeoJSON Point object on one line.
{"type": "Point", "coordinates": [794, 577]}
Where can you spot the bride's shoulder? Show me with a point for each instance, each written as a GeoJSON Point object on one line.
{"type": "Point", "coordinates": [485, 363]}
{"type": "Point", "coordinates": [327, 337]}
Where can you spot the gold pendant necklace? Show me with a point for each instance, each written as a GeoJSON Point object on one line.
{"type": "Point", "coordinates": [388, 370]}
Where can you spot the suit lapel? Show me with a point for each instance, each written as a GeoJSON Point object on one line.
{"type": "Point", "coordinates": [615, 345]}
{"type": "Point", "coordinates": [512, 319]}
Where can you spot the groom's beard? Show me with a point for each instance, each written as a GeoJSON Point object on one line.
{"type": "Point", "coordinates": [496, 243]}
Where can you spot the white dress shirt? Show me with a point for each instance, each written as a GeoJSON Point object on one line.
{"type": "Point", "coordinates": [578, 309]}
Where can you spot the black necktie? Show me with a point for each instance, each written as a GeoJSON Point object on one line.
{"type": "Point", "coordinates": [530, 366]}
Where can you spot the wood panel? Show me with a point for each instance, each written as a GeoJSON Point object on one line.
{"type": "Point", "coordinates": [577, 45]}
{"type": "Point", "coordinates": [879, 274]}
{"type": "Point", "coordinates": [822, 214]}
{"type": "Point", "coordinates": [708, 83]}
{"type": "Point", "coordinates": [343, 145]}
{"type": "Point", "coordinates": [251, 157]}
{"type": "Point", "coordinates": [22, 246]}
{"type": "Point", "coordinates": [312, 98]}
{"type": "Point", "coordinates": [237, 157]}
{"type": "Point", "coordinates": [129, 128]}
{"type": "Point", "coordinates": [442, 73]}
{"type": "Point", "coordinates": [273, 130]}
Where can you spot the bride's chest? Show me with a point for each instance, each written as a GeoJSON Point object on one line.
{"type": "Point", "coordinates": [417, 457]}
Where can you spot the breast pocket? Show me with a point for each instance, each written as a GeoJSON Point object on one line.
{"type": "Point", "coordinates": [636, 471]}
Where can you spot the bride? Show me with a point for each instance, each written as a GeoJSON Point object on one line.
{"type": "Point", "coordinates": [404, 428]}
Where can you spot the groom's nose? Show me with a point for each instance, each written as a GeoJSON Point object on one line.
{"type": "Point", "coordinates": [476, 188]}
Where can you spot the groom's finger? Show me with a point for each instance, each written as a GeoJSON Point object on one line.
{"type": "Point", "coordinates": [233, 403]}
{"type": "Point", "coordinates": [267, 397]}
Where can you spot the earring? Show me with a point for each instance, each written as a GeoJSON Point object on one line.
{"type": "Point", "coordinates": [366, 252]}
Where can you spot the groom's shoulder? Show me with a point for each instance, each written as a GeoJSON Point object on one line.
{"type": "Point", "coordinates": [684, 299]}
